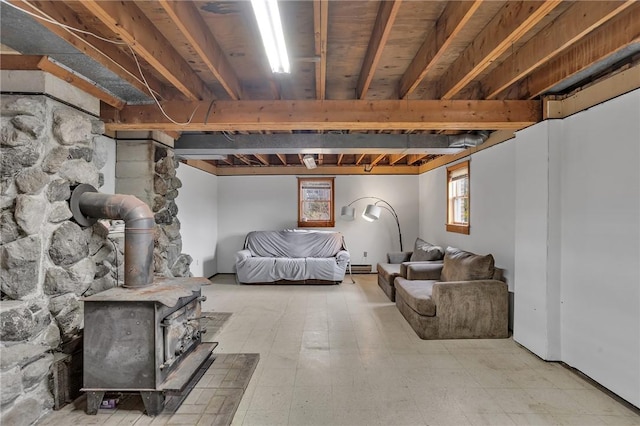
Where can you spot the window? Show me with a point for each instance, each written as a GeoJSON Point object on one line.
{"type": "Point", "coordinates": [315, 202]}
{"type": "Point", "coordinates": [458, 198]}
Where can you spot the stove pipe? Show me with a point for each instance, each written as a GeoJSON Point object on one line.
{"type": "Point", "coordinates": [88, 205]}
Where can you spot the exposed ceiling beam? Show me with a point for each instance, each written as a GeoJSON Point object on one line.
{"type": "Point", "coordinates": [340, 157]}
{"type": "Point", "coordinates": [106, 54]}
{"type": "Point", "coordinates": [187, 18]}
{"type": "Point", "coordinates": [454, 17]}
{"type": "Point", "coordinates": [320, 26]}
{"type": "Point", "coordinates": [134, 27]}
{"type": "Point", "coordinates": [359, 158]}
{"type": "Point", "coordinates": [44, 63]}
{"type": "Point", "coordinates": [325, 170]}
{"type": "Point", "coordinates": [282, 158]}
{"type": "Point", "coordinates": [604, 41]}
{"type": "Point", "coordinates": [327, 115]}
{"type": "Point", "coordinates": [262, 158]}
{"type": "Point", "coordinates": [513, 21]}
{"type": "Point", "coordinates": [378, 159]}
{"type": "Point", "coordinates": [244, 159]}
{"type": "Point", "coordinates": [414, 158]}
{"type": "Point", "coordinates": [300, 158]}
{"type": "Point", "coordinates": [580, 19]}
{"type": "Point", "coordinates": [394, 158]}
{"type": "Point", "coordinates": [387, 13]}
{"type": "Point", "coordinates": [320, 159]}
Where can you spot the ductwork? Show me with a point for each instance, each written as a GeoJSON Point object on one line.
{"type": "Point", "coordinates": [467, 140]}
{"type": "Point", "coordinates": [88, 205]}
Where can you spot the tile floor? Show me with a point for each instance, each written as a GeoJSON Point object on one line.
{"type": "Point", "coordinates": [343, 355]}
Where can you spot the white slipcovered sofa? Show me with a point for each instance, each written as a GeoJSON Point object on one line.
{"type": "Point", "coordinates": [292, 256]}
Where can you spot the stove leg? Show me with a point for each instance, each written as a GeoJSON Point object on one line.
{"type": "Point", "coordinates": [94, 399]}
{"type": "Point", "coordinates": [153, 402]}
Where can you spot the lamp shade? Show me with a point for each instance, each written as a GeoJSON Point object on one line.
{"type": "Point", "coordinates": [347, 213]}
{"type": "Point", "coordinates": [371, 213]}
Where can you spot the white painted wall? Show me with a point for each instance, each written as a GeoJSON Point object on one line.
{"type": "Point", "coordinates": [492, 207]}
{"type": "Point", "coordinates": [198, 214]}
{"type": "Point", "coordinates": [601, 244]}
{"type": "Point", "coordinates": [248, 203]}
{"type": "Point", "coordinates": [107, 146]}
{"type": "Point", "coordinates": [537, 286]}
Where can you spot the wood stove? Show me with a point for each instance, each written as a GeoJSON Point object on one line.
{"type": "Point", "coordinates": [145, 336]}
{"type": "Point", "coordinates": [145, 340]}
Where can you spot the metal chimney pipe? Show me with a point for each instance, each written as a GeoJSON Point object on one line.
{"type": "Point", "coordinates": [138, 228]}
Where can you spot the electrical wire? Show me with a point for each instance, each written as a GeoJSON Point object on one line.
{"type": "Point", "coordinates": [120, 43]}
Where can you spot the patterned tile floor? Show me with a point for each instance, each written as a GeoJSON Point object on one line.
{"type": "Point", "coordinates": [343, 355]}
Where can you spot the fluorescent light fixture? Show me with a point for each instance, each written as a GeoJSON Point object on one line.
{"type": "Point", "coordinates": [270, 25]}
{"type": "Point", "coordinates": [309, 161]}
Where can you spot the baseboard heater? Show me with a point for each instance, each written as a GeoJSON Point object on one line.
{"type": "Point", "coordinates": [360, 269]}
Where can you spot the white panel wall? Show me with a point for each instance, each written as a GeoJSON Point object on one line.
{"type": "Point", "coordinates": [492, 207]}
{"type": "Point", "coordinates": [601, 244]}
{"type": "Point", "coordinates": [198, 214]}
{"type": "Point", "coordinates": [537, 295]}
{"type": "Point", "coordinates": [248, 203]}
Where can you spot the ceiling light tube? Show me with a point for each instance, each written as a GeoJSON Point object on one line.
{"type": "Point", "coordinates": [270, 25]}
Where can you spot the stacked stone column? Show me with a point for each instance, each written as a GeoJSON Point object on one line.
{"type": "Point", "coordinates": [47, 261]}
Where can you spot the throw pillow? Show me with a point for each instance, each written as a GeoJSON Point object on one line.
{"type": "Point", "coordinates": [460, 265]}
{"type": "Point", "coordinates": [423, 250]}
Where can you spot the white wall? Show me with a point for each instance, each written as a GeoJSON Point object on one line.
{"type": "Point", "coordinates": [198, 214]}
{"type": "Point", "coordinates": [577, 281]}
{"type": "Point", "coordinates": [492, 195]}
{"type": "Point", "coordinates": [601, 244]}
{"type": "Point", "coordinates": [248, 203]}
{"type": "Point", "coordinates": [537, 250]}
{"type": "Point", "coordinates": [107, 147]}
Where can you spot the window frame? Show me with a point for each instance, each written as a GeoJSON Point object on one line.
{"type": "Point", "coordinates": [451, 225]}
{"type": "Point", "coordinates": [317, 223]}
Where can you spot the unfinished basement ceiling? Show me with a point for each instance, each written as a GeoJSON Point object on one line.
{"type": "Point", "coordinates": [386, 68]}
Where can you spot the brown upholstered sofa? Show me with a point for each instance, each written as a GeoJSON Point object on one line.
{"type": "Point", "coordinates": [398, 262]}
{"type": "Point", "coordinates": [462, 298]}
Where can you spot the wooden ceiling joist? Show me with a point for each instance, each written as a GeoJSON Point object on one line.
{"type": "Point", "coordinates": [320, 29]}
{"type": "Point", "coordinates": [340, 157]}
{"type": "Point", "coordinates": [359, 158]}
{"type": "Point", "coordinates": [262, 158]}
{"type": "Point", "coordinates": [609, 38]}
{"type": "Point", "coordinates": [579, 20]}
{"type": "Point", "coordinates": [378, 158]}
{"type": "Point", "coordinates": [127, 21]}
{"type": "Point", "coordinates": [106, 54]}
{"type": "Point", "coordinates": [187, 18]}
{"type": "Point", "coordinates": [505, 29]}
{"type": "Point", "coordinates": [328, 115]}
{"type": "Point", "coordinates": [453, 19]}
{"type": "Point", "coordinates": [382, 28]}
{"type": "Point", "coordinates": [414, 158]}
{"type": "Point", "coordinates": [44, 63]}
{"type": "Point", "coordinates": [394, 158]}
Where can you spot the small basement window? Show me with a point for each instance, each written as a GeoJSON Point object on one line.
{"type": "Point", "coordinates": [315, 202]}
{"type": "Point", "coordinates": [458, 198]}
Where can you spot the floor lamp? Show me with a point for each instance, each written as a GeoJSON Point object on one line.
{"type": "Point", "coordinates": [371, 212]}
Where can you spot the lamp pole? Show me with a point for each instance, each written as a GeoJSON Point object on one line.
{"type": "Point", "coordinates": [388, 207]}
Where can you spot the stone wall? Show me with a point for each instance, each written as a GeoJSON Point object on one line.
{"type": "Point", "coordinates": [47, 260]}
